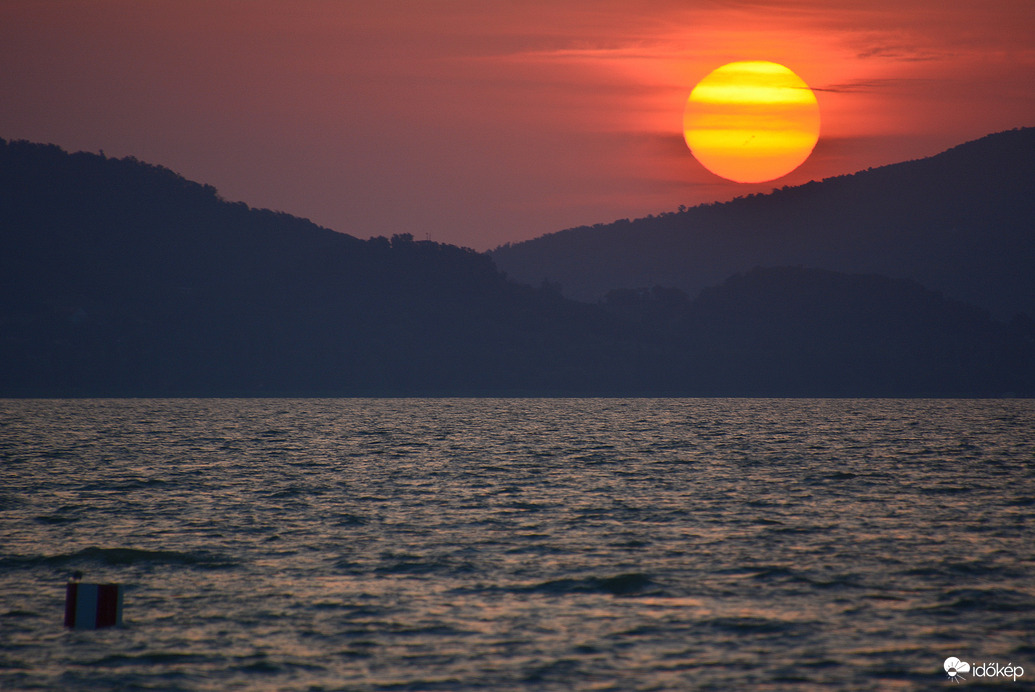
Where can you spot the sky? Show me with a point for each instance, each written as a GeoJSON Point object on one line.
{"type": "Point", "coordinates": [482, 122]}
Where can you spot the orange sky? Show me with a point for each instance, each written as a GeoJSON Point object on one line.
{"type": "Point", "coordinates": [479, 122]}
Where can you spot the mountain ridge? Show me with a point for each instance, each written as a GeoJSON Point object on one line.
{"type": "Point", "coordinates": [120, 278]}
{"type": "Point", "coordinates": [958, 222]}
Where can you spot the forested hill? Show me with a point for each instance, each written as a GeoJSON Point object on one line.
{"type": "Point", "coordinates": [961, 222]}
{"type": "Point", "coordinates": [119, 278]}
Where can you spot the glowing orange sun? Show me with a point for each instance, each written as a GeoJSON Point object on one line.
{"type": "Point", "coordinates": [751, 121]}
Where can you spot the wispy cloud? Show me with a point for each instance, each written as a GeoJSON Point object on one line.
{"type": "Point", "coordinates": [861, 86]}
{"type": "Point", "coordinates": [894, 50]}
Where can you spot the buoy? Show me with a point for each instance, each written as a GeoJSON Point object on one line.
{"type": "Point", "coordinates": [92, 606]}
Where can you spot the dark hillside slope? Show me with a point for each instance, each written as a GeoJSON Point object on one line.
{"type": "Point", "coordinates": [122, 278]}
{"type": "Point", "coordinates": [119, 278]}
{"type": "Point", "coordinates": [961, 222]}
{"type": "Point", "coordinates": [810, 331]}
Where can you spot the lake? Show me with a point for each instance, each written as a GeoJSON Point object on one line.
{"type": "Point", "coordinates": [519, 544]}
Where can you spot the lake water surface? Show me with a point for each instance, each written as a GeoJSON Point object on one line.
{"type": "Point", "coordinates": [519, 544]}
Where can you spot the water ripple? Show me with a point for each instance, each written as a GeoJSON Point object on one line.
{"type": "Point", "coordinates": [562, 544]}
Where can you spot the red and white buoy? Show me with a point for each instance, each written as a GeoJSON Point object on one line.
{"type": "Point", "coordinates": [92, 606]}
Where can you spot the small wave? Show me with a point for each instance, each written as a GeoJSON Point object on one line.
{"type": "Point", "coordinates": [447, 684]}
{"type": "Point", "coordinates": [139, 484]}
{"type": "Point", "coordinates": [123, 484]}
{"type": "Point", "coordinates": [380, 432]}
{"type": "Point", "coordinates": [55, 519]}
{"type": "Point", "coordinates": [802, 530]}
{"type": "Point", "coordinates": [618, 585]}
{"type": "Point", "coordinates": [1023, 651]}
{"type": "Point", "coordinates": [785, 575]}
{"type": "Point", "coordinates": [527, 506]}
{"type": "Point", "coordinates": [346, 519]}
{"type": "Point", "coordinates": [595, 459]}
{"type": "Point", "coordinates": [416, 565]}
{"type": "Point", "coordinates": [554, 672]}
{"type": "Point", "coordinates": [986, 600]}
{"type": "Point", "coordinates": [10, 501]}
{"type": "Point", "coordinates": [291, 492]}
{"type": "Point", "coordinates": [948, 490]}
{"type": "Point", "coordinates": [751, 625]}
{"type": "Point", "coordinates": [836, 581]}
{"type": "Point", "coordinates": [263, 665]}
{"type": "Point", "coordinates": [969, 568]}
{"type": "Point", "coordinates": [57, 454]}
{"type": "Point", "coordinates": [120, 557]}
{"type": "Point", "coordinates": [491, 468]}
{"type": "Point", "coordinates": [774, 573]}
{"type": "Point", "coordinates": [156, 658]}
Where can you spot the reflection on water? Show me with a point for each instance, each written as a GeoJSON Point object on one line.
{"type": "Point", "coordinates": [622, 544]}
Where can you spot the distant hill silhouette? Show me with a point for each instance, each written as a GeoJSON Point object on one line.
{"type": "Point", "coordinates": [807, 331]}
{"type": "Point", "coordinates": [961, 222]}
{"type": "Point", "coordinates": [120, 278]}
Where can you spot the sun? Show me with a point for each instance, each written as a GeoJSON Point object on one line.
{"type": "Point", "coordinates": [751, 121]}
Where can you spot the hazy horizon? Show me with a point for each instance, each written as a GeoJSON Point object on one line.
{"type": "Point", "coordinates": [478, 125]}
